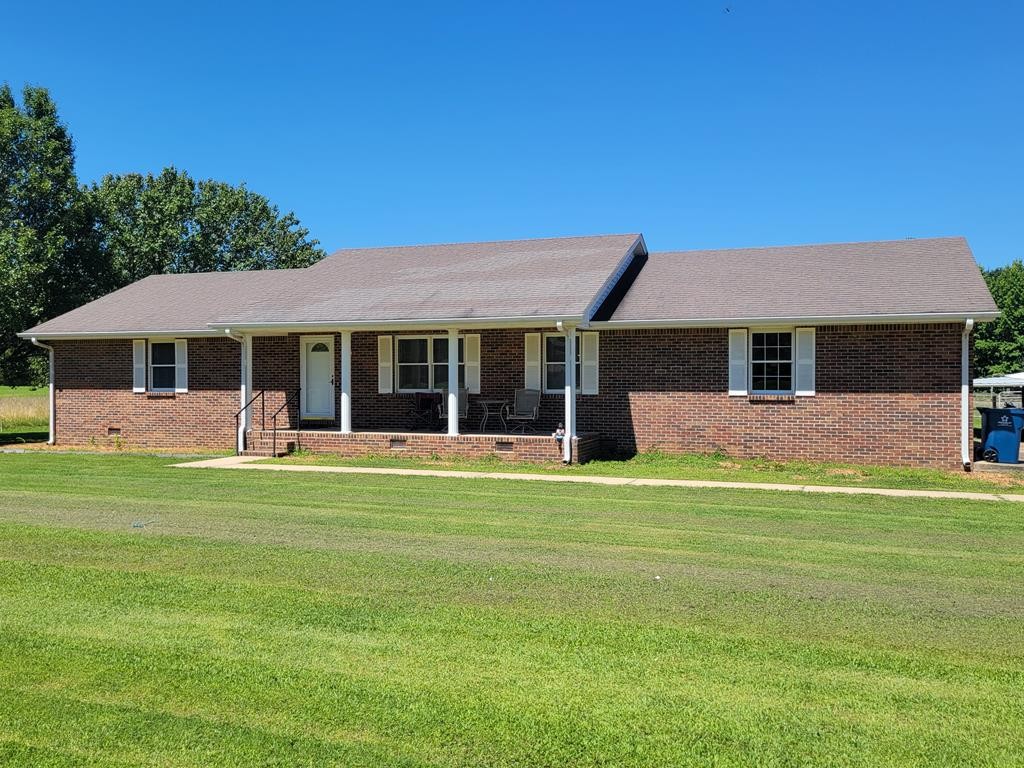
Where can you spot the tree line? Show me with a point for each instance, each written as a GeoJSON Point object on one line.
{"type": "Point", "coordinates": [64, 243]}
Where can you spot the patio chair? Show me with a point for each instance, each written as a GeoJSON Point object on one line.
{"type": "Point", "coordinates": [424, 411]}
{"type": "Point", "coordinates": [442, 409]}
{"type": "Point", "coordinates": [523, 413]}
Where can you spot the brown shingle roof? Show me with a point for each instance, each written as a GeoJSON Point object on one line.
{"type": "Point", "coordinates": [557, 277]}
{"type": "Point", "coordinates": [553, 278]}
{"type": "Point", "coordinates": [168, 303]}
{"type": "Point", "coordinates": [897, 277]}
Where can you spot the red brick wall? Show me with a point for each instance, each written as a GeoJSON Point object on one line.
{"type": "Point", "coordinates": [885, 394]}
{"type": "Point", "coordinates": [94, 396]}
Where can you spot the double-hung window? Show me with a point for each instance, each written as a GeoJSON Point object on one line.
{"type": "Point", "coordinates": [162, 365]}
{"type": "Point", "coordinates": [771, 362]}
{"type": "Point", "coordinates": [159, 365]}
{"type": "Point", "coordinates": [554, 363]}
{"type": "Point", "coordinates": [423, 363]}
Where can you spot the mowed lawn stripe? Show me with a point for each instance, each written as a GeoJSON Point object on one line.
{"type": "Point", "coordinates": [312, 620]}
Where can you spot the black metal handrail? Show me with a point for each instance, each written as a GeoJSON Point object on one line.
{"type": "Point", "coordinates": [263, 411]}
{"type": "Point", "coordinates": [292, 398]}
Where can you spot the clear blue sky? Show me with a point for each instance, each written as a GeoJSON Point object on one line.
{"type": "Point", "coordinates": [770, 123]}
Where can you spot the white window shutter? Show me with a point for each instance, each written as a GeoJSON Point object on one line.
{"type": "Point", "coordinates": [804, 379]}
{"type": "Point", "coordinates": [180, 365]}
{"type": "Point", "coordinates": [531, 379]}
{"type": "Point", "coordinates": [588, 362]}
{"type": "Point", "coordinates": [139, 365]}
{"type": "Point", "coordinates": [472, 355]}
{"type": "Point", "coordinates": [385, 366]}
{"type": "Point", "coordinates": [737, 361]}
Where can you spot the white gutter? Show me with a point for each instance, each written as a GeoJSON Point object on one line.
{"type": "Point", "coordinates": [725, 322]}
{"type": "Point", "coordinates": [83, 335]}
{"type": "Point", "coordinates": [966, 429]}
{"type": "Point", "coordinates": [52, 398]}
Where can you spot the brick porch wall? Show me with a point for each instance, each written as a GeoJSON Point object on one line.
{"type": "Point", "coordinates": [94, 396]}
{"type": "Point", "coordinates": [885, 394]}
{"type": "Point", "coordinates": [541, 448]}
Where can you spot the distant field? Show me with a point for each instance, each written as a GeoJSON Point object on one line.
{"type": "Point", "coordinates": [23, 392]}
{"type": "Point", "coordinates": [186, 617]}
{"type": "Point", "coordinates": [24, 414]}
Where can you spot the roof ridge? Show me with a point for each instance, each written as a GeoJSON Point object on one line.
{"type": "Point", "coordinates": [815, 245]}
{"type": "Point", "coordinates": [486, 242]}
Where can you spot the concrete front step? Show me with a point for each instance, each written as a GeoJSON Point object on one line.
{"type": "Point", "coordinates": [264, 453]}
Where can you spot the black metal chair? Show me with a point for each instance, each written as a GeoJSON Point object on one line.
{"type": "Point", "coordinates": [424, 411]}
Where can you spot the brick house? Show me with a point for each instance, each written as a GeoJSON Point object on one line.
{"type": "Point", "coordinates": [853, 352]}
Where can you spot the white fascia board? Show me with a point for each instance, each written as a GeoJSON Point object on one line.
{"type": "Point", "coordinates": [82, 335]}
{"type": "Point", "coordinates": [637, 248]}
{"type": "Point", "coordinates": [726, 322]}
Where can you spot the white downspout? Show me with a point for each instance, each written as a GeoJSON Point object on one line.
{"type": "Point", "coordinates": [966, 428]}
{"type": "Point", "coordinates": [53, 401]}
{"type": "Point", "coordinates": [243, 373]}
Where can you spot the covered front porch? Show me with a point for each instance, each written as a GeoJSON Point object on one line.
{"type": "Point", "coordinates": [419, 392]}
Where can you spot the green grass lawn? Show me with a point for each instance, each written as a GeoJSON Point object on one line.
{"type": "Point", "coordinates": [701, 467]}
{"type": "Point", "coordinates": [23, 391]}
{"type": "Point", "coordinates": [174, 617]}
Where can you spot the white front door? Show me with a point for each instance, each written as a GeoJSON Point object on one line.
{"type": "Point", "coordinates": [317, 377]}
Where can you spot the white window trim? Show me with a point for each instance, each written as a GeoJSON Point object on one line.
{"type": "Point", "coordinates": [544, 364]}
{"type": "Point", "coordinates": [430, 362]}
{"type": "Point", "coordinates": [149, 363]}
{"type": "Point", "coordinates": [792, 359]}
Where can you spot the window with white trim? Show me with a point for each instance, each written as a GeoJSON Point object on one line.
{"type": "Point", "coordinates": [554, 363]}
{"type": "Point", "coordinates": [422, 363]}
{"type": "Point", "coordinates": [771, 362]}
{"type": "Point", "coordinates": [162, 366]}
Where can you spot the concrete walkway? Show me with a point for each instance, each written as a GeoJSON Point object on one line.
{"type": "Point", "coordinates": [250, 462]}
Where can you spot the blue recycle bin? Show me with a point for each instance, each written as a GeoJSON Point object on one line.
{"type": "Point", "coordinates": [1000, 434]}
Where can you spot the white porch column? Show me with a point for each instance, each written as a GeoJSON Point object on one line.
{"type": "Point", "coordinates": [346, 381]}
{"type": "Point", "coordinates": [570, 393]}
{"type": "Point", "coordinates": [453, 381]}
{"type": "Point", "coordinates": [245, 422]}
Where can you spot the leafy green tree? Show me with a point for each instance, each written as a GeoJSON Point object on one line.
{"type": "Point", "coordinates": [49, 256]}
{"type": "Point", "coordinates": [169, 223]}
{"type": "Point", "coordinates": [999, 346]}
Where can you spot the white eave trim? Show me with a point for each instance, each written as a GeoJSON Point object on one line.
{"type": "Point", "coordinates": [638, 248]}
{"type": "Point", "coordinates": [724, 322]}
{"type": "Point", "coordinates": [80, 335]}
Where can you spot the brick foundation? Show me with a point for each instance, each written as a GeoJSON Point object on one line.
{"type": "Point", "coordinates": [884, 395]}
{"type": "Point", "coordinates": [539, 448]}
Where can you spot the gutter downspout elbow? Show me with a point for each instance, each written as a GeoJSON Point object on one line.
{"type": "Point", "coordinates": [966, 430]}
{"type": "Point", "coordinates": [52, 395]}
